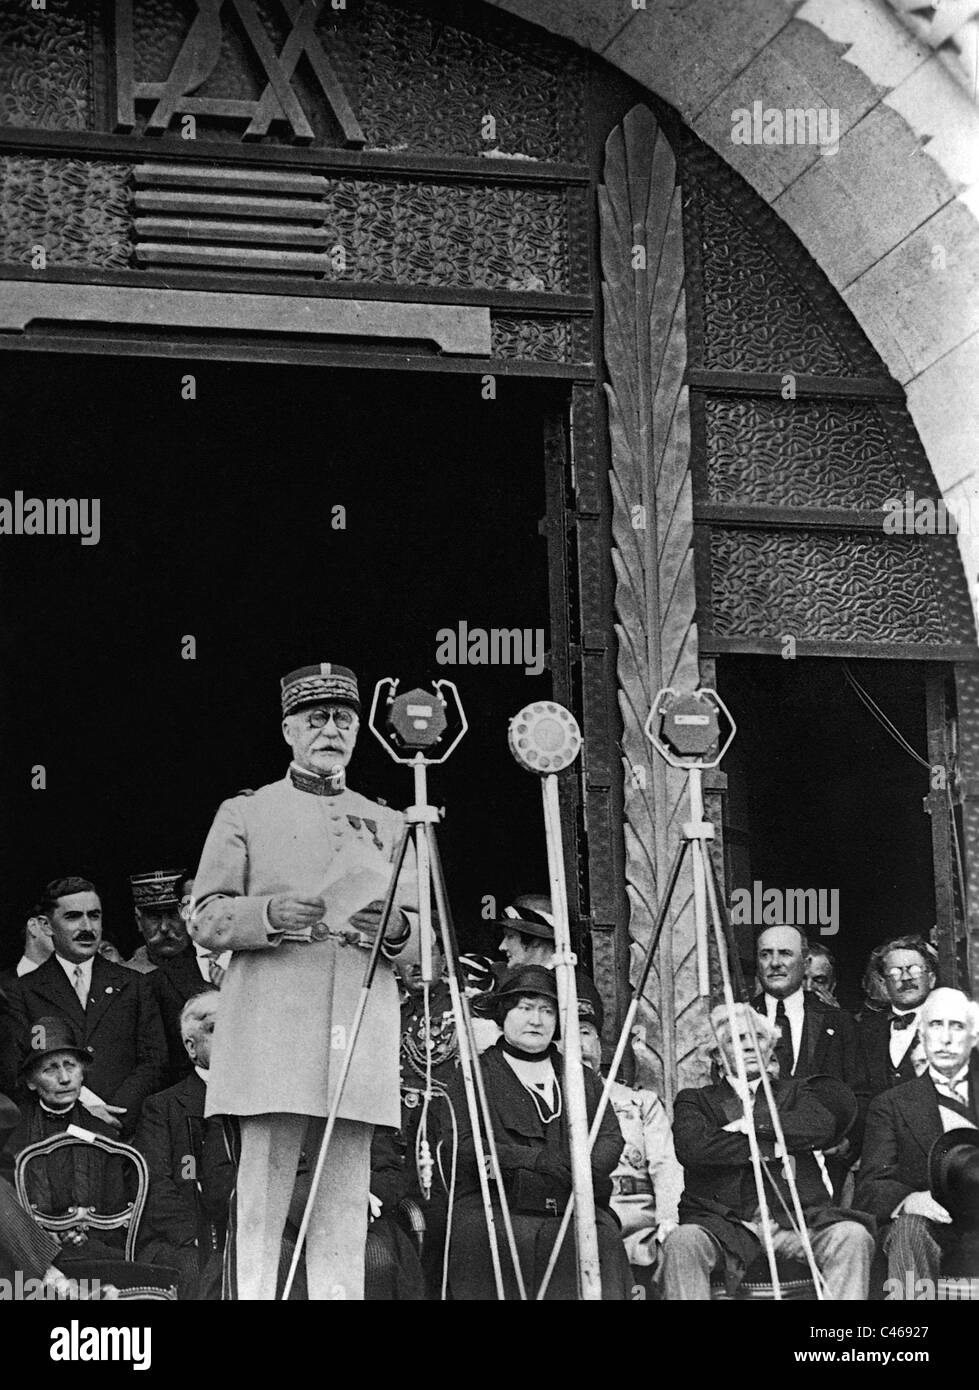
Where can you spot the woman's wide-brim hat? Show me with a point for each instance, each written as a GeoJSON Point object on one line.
{"type": "Point", "coordinates": [953, 1175]}
{"type": "Point", "coordinates": [530, 916]}
{"type": "Point", "coordinates": [50, 1035]}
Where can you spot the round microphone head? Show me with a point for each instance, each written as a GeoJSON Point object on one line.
{"type": "Point", "coordinates": [544, 737]}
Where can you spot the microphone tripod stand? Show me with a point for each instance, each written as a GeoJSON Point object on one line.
{"type": "Point", "coordinates": [416, 721]}
{"type": "Point", "coordinates": [690, 729]}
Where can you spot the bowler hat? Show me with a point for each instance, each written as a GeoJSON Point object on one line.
{"type": "Point", "coordinates": [953, 1176]}
{"type": "Point", "coordinates": [839, 1100]}
{"type": "Point", "coordinates": [49, 1035]}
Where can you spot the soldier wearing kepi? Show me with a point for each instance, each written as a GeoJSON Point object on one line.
{"type": "Point", "coordinates": [291, 881]}
{"type": "Point", "coordinates": [158, 918]}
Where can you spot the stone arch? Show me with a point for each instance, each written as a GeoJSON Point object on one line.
{"type": "Point", "coordinates": [891, 218]}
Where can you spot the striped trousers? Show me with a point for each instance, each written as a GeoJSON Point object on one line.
{"type": "Point", "coordinates": [914, 1251]}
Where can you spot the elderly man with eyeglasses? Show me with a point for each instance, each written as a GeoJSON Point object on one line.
{"type": "Point", "coordinates": [291, 882]}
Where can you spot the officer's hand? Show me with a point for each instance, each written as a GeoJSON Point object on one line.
{"type": "Point", "coordinates": [368, 919]}
{"type": "Point", "coordinates": [290, 913]}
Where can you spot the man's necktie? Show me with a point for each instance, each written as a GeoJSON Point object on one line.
{"type": "Point", "coordinates": [215, 972]}
{"type": "Point", "coordinates": [79, 983]}
{"type": "Point", "coordinates": [783, 1048]}
{"type": "Point", "coordinates": [901, 1021]}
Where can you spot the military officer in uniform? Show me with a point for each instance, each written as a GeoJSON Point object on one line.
{"type": "Point", "coordinates": [291, 882]}
{"type": "Point", "coordinates": [158, 918]}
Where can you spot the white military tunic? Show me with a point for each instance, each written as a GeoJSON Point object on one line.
{"type": "Point", "coordinates": [287, 1007]}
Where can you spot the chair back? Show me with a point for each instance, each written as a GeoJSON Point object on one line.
{"type": "Point", "coordinates": [80, 1217]}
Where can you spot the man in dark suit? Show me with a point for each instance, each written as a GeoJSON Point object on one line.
{"type": "Point", "coordinates": [37, 948]}
{"type": "Point", "coordinates": [720, 1219]}
{"type": "Point", "coordinates": [180, 977]}
{"type": "Point", "coordinates": [172, 1227]}
{"type": "Point", "coordinates": [816, 1039]}
{"type": "Point", "coordinates": [906, 970]}
{"type": "Point", "coordinates": [112, 1008]}
{"type": "Point", "coordinates": [902, 1125]}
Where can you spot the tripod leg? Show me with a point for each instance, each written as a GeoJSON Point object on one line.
{"type": "Point", "coordinates": [472, 1076]}
{"type": "Point", "coordinates": [582, 1182]}
{"type": "Point", "coordinates": [369, 972]}
{"type": "Point", "coordinates": [666, 898]}
{"type": "Point", "coordinates": [700, 855]}
{"type": "Point", "coordinates": [723, 936]}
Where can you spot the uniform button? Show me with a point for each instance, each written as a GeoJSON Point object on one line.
{"type": "Point", "coordinates": [320, 931]}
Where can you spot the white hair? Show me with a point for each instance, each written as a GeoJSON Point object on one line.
{"type": "Point", "coordinates": [943, 996]}
{"type": "Point", "coordinates": [194, 1010]}
{"type": "Point", "coordinates": [720, 1022]}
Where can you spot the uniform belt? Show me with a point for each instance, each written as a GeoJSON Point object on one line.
{"type": "Point", "coordinates": [632, 1187]}
{"type": "Point", "coordinates": [321, 931]}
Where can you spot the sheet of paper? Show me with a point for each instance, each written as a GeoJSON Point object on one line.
{"type": "Point", "coordinates": [351, 892]}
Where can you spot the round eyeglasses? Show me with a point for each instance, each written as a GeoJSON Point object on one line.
{"type": "Point", "coordinates": [897, 971]}
{"type": "Point", "coordinates": [342, 716]}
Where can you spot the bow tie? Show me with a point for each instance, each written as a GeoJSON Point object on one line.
{"type": "Point", "coordinates": [901, 1021]}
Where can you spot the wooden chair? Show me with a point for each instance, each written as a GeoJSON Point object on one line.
{"type": "Point", "coordinates": [132, 1279]}
{"type": "Point", "coordinates": [795, 1278]}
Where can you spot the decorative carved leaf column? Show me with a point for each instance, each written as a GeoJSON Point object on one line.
{"type": "Point", "coordinates": [652, 530]}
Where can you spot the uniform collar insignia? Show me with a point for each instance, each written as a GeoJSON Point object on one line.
{"type": "Point", "coordinates": [311, 782]}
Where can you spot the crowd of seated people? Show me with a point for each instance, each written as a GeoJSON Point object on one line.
{"type": "Point", "coordinates": [880, 1114]}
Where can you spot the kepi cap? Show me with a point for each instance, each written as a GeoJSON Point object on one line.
{"type": "Point", "coordinates": [157, 888]}
{"type": "Point", "coordinates": [316, 685]}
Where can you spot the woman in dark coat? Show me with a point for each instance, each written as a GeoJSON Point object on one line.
{"type": "Point", "coordinates": [53, 1074]}
{"type": "Point", "coordinates": [523, 1074]}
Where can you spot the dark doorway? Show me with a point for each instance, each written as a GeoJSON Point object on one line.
{"type": "Point", "coordinates": [217, 523]}
{"type": "Point", "coordinates": [821, 796]}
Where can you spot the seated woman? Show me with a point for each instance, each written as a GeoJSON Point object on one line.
{"type": "Point", "coordinates": [524, 1081]}
{"type": "Point", "coordinates": [54, 1074]}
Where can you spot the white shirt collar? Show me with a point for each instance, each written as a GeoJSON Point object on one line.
{"type": "Point", "coordinates": [795, 1005]}
{"type": "Point", "coordinates": [25, 966]}
{"type": "Point", "coordinates": [202, 1072]}
{"type": "Point", "coordinates": [69, 967]}
{"type": "Point", "coordinates": [949, 1082]}
{"type": "Point", "coordinates": [223, 959]}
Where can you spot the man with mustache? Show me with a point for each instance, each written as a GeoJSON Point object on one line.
{"type": "Point", "coordinates": [902, 1125]}
{"type": "Point", "coordinates": [815, 1039]}
{"type": "Point", "coordinates": [111, 1007]}
{"type": "Point", "coordinates": [906, 969]}
{"type": "Point", "coordinates": [159, 919]}
{"type": "Point", "coordinates": [290, 882]}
